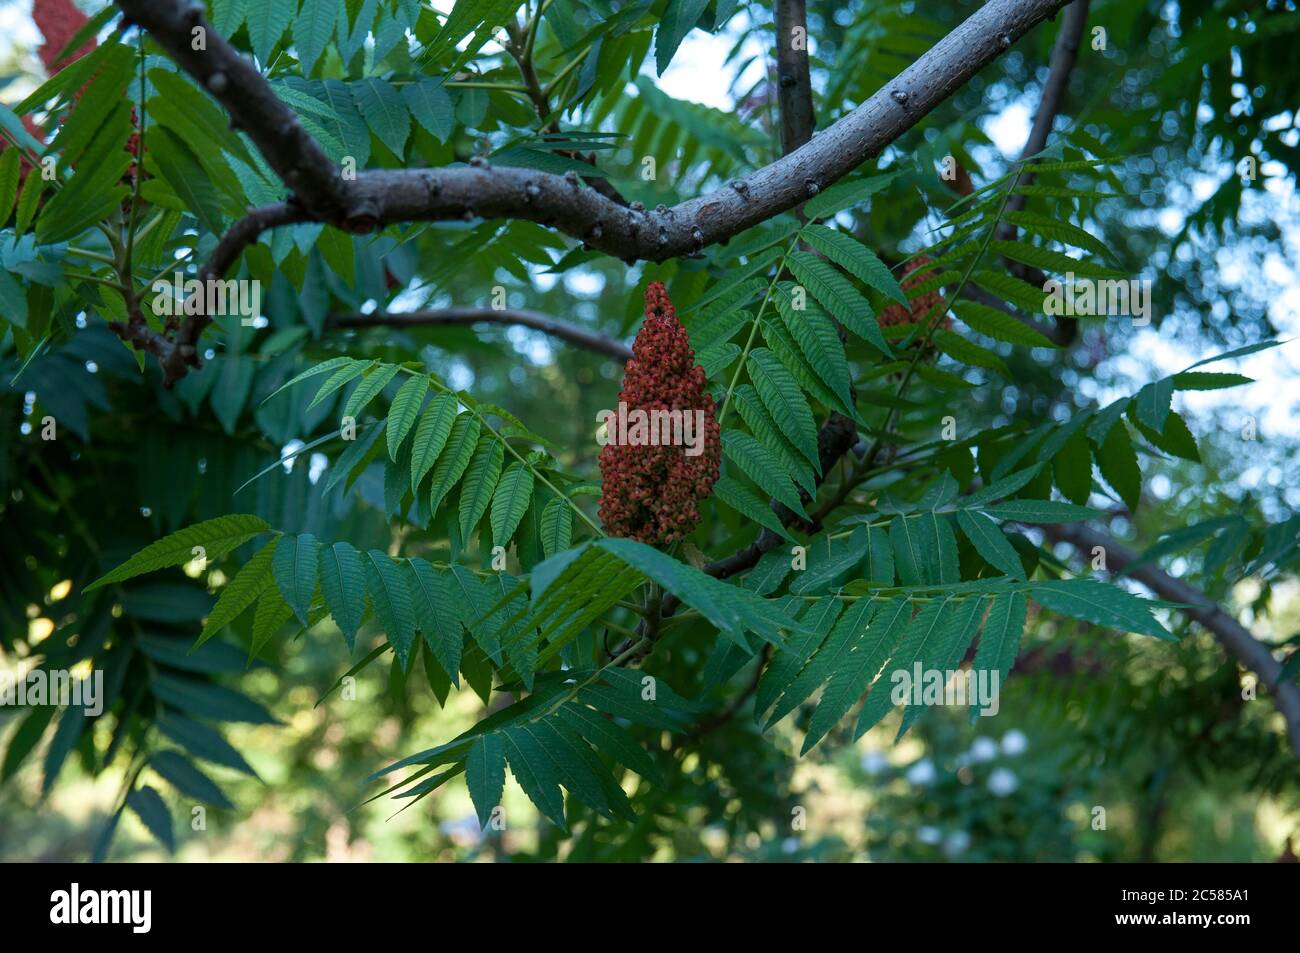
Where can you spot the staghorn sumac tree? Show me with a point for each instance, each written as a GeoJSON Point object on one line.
{"type": "Point", "coordinates": [258, 258]}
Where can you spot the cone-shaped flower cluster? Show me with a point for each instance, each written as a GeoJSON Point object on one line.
{"type": "Point", "coordinates": [921, 308]}
{"type": "Point", "coordinates": [59, 21]}
{"type": "Point", "coordinates": [652, 493]}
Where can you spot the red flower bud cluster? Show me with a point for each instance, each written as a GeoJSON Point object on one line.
{"type": "Point", "coordinates": [922, 308]}
{"type": "Point", "coordinates": [59, 21]}
{"type": "Point", "coordinates": [652, 493]}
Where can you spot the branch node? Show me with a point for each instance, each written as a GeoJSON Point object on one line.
{"type": "Point", "coordinates": [811, 187]}
{"type": "Point", "coordinates": [531, 191]}
{"type": "Point", "coordinates": [478, 162]}
{"type": "Point", "coordinates": [217, 83]}
{"type": "Point", "coordinates": [899, 96]}
{"type": "Point", "coordinates": [741, 188]}
{"type": "Point", "coordinates": [572, 178]}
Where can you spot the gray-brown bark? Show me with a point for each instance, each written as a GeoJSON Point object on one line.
{"type": "Point", "coordinates": [381, 197]}
{"type": "Point", "coordinates": [448, 317]}
{"type": "Point", "coordinates": [793, 82]}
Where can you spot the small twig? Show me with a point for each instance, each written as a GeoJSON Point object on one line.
{"type": "Point", "coordinates": [711, 724]}
{"type": "Point", "coordinates": [444, 317]}
{"type": "Point", "coordinates": [1231, 634]}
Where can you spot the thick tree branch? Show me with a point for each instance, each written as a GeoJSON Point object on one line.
{"type": "Point", "coordinates": [235, 82]}
{"type": "Point", "coordinates": [445, 317]}
{"type": "Point", "coordinates": [382, 197]}
{"type": "Point", "coordinates": [410, 195]}
{"type": "Point", "coordinates": [793, 82]}
{"type": "Point", "coordinates": [839, 433]}
{"type": "Point", "coordinates": [1234, 637]}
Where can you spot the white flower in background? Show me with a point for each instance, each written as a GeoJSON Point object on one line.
{"type": "Point", "coordinates": [922, 772]}
{"type": "Point", "coordinates": [464, 830]}
{"type": "Point", "coordinates": [1003, 781]}
{"type": "Point", "coordinates": [956, 844]}
{"type": "Point", "coordinates": [873, 762]}
{"type": "Point", "coordinates": [1014, 742]}
{"type": "Point", "coordinates": [929, 835]}
{"type": "Point", "coordinates": [983, 749]}
{"type": "Point", "coordinates": [790, 845]}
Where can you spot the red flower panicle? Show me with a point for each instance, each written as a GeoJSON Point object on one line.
{"type": "Point", "coordinates": [59, 21]}
{"type": "Point", "coordinates": [652, 493]}
{"type": "Point", "coordinates": [923, 307]}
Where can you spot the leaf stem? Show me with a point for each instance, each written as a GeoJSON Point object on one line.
{"type": "Point", "coordinates": [753, 330]}
{"type": "Point", "coordinates": [537, 474]}
{"type": "Point", "coordinates": [615, 662]}
{"type": "Point", "coordinates": [92, 255]}
{"type": "Point", "coordinates": [862, 469]}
